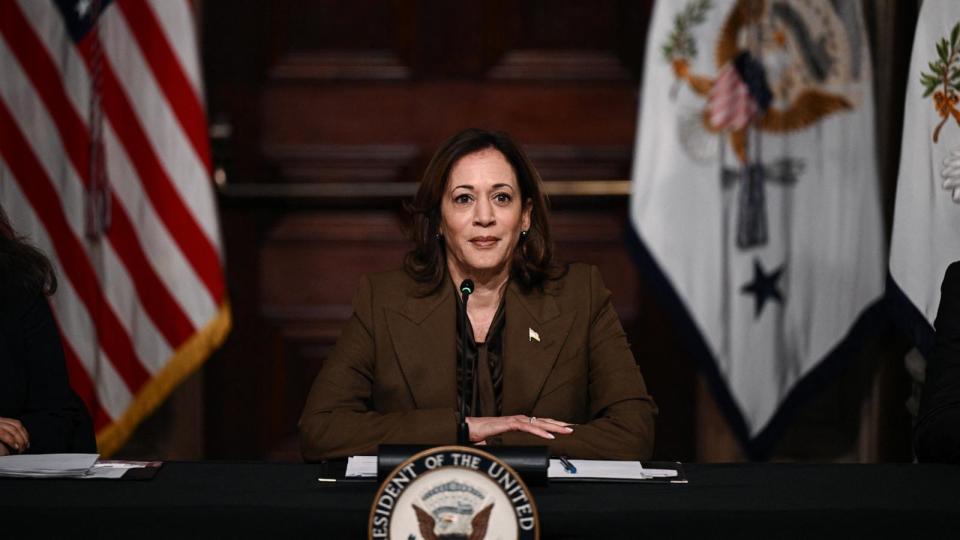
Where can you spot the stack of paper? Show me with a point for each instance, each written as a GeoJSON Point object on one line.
{"type": "Point", "coordinates": [585, 469]}
{"type": "Point", "coordinates": [361, 467]}
{"type": "Point", "coordinates": [116, 469]}
{"type": "Point", "coordinates": [47, 465]}
{"type": "Point", "coordinates": [596, 469]}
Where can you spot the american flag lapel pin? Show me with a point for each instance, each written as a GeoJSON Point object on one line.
{"type": "Point", "coordinates": [534, 336]}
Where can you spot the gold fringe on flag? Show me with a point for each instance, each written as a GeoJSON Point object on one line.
{"type": "Point", "coordinates": [186, 360]}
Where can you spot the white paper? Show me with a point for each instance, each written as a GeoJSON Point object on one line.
{"type": "Point", "coordinates": [660, 473]}
{"type": "Point", "coordinates": [361, 467]}
{"type": "Point", "coordinates": [366, 467]}
{"type": "Point", "coordinates": [105, 472]}
{"type": "Point", "coordinates": [115, 469]}
{"type": "Point", "coordinates": [47, 465]}
{"type": "Point", "coordinates": [606, 470]}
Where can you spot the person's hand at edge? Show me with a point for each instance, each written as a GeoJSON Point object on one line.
{"type": "Point", "coordinates": [13, 436]}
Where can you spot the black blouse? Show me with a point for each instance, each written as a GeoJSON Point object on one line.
{"type": "Point", "coordinates": [485, 390]}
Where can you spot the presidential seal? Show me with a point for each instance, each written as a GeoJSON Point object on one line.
{"type": "Point", "coordinates": [453, 492]}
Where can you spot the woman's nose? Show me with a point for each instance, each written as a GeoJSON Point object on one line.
{"type": "Point", "coordinates": [483, 213]}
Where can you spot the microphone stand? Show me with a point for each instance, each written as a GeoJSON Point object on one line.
{"type": "Point", "coordinates": [463, 431]}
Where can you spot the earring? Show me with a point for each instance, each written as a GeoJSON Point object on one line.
{"type": "Point", "coordinates": [523, 235]}
{"type": "Point", "coordinates": [439, 237]}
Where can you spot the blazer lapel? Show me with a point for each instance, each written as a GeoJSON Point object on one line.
{"type": "Point", "coordinates": [535, 332]}
{"type": "Point", "coordinates": [423, 332]}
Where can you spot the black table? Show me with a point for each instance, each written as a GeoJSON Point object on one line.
{"type": "Point", "coordinates": [270, 500]}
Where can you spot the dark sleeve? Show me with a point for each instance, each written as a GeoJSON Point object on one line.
{"type": "Point", "coordinates": [339, 420]}
{"type": "Point", "coordinates": [55, 418]}
{"type": "Point", "coordinates": [622, 412]}
{"type": "Point", "coordinates": [937, 431]}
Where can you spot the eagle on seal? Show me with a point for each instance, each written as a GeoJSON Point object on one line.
{"type": "Point", "coordinates": [478, 525]}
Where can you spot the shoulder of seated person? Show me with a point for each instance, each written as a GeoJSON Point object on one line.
{"type": "Point", "coordinates": [16, 299]}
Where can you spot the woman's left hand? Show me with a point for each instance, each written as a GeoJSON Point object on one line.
{"type": "Point", "coordinates": [483, 427]}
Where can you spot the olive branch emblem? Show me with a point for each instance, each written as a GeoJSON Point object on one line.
{"type": "Point", "coordinates": [680, 47]}
{"type": "Point", "coordinates": [943, 80]}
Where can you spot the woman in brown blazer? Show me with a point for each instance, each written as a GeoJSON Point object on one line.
{"type": "Point", "coordinates": [552, 363]}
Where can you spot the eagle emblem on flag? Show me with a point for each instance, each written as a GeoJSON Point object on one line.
{"type": "Point", "coordinates": [755, 197]}
{"type": "Point", "coordinates": [778, 72]}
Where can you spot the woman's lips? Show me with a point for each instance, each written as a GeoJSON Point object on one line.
{"type": "Point", "coordinates": [484, 241]}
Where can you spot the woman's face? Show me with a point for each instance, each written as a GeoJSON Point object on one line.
{"type": "Point", "coordinates": [481, 215]}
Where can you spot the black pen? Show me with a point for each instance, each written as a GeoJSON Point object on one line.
{"type": "Point", "coordinates": [567, 466]}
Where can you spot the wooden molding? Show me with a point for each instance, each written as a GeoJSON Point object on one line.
{"type": "Point", "coordinates": [364, 171]}
{"type": "Point", "coordinates": [340, 65]}
{"type": "Point", "coordinates": [559, 65]}
{"type": "Point", "coordinates": [336, 227]}
{"type": "Point", "coordinates": [565, 162]}
{"type": "Point", "coordinates": [338, 163]}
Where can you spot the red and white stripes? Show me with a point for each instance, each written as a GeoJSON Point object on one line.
{"type": "Point", "coordinates": [730, 105]}
{"type": "Point", "coordinates": [129, 303]}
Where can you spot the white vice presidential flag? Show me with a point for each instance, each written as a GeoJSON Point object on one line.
{"type": "Point", "coordinates": [755, 196]}
{"type": "Point", "coordinates": [926, 222]}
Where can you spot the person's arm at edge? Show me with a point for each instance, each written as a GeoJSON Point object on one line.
{"type": "Point", "coordinates": [53, 415]}
{"type": "Point", "coordinates": [937, 430]}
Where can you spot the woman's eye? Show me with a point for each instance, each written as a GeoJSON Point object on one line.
{"type": "Point", "coordinates": [502, 198]}
{"type": "Point", "coordinates": [461, 199]}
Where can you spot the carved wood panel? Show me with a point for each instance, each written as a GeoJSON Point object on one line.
{"type": "Point", "coordinates": [356, 95]}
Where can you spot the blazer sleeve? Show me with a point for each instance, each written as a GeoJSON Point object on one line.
{"type": "Point", "coordinates": [54, 417]}
{"type": "Point", "coordinates": [937, 431]}
{"type": "Point", "coordinates": [339, 418]}
{"type": "Point", "coordinates": [621, 424]}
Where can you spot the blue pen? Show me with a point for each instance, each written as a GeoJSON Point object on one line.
{"type": "Point", "coordinates": [567, 466]}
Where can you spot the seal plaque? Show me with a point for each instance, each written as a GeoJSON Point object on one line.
{"type": "Point", "coordinates": [453, 492]}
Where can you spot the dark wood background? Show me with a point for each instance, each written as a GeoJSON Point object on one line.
{"type": "Point", "coordinates": [323, 115]}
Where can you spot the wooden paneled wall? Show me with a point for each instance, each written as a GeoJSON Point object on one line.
{"type": "Point", "coordinates": [324, 115]}
{"type": "Point", "coordinates": [333, 109]}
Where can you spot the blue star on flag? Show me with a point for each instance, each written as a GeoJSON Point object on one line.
{"type": "Point", "coordinates": [763, 287]}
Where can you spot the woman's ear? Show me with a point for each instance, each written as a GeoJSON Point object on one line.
{"type": "Point", "coordinates": [527, 214]}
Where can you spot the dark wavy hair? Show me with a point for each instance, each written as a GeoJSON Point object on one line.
{"type": "Point", "coordinates": [23, 268]}
{"type": "Point", "coordinates": [532, 264]}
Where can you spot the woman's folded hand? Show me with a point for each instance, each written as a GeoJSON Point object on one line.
{"type": "Point", "coordinates": [483, 427]}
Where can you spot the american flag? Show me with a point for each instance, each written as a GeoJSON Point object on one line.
{"type": "Point", "coordinates": [105, 166]}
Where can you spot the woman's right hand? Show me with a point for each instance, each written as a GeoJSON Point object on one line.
{"type": "Point", "coordinates": [13, 436]}
{"type": "Point", "coordinates": [482, 427]}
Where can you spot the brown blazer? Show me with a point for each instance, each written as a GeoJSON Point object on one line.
{"type": "Point", "coordinates": [391, 379]}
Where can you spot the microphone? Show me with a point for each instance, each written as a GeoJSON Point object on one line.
{"type": "Point", "coordinates": [463, 431]}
